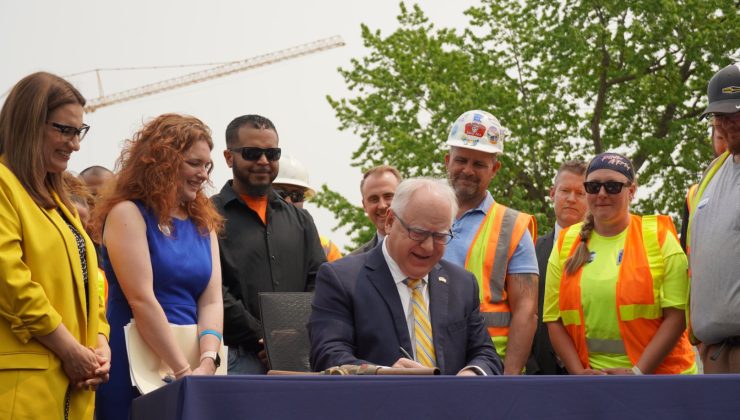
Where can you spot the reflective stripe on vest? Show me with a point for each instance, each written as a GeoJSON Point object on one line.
{"type": "Point", "coordinates": [637, 296]}
{"type": "Point", "coordinates": [604, 345]}
{"type": "Point", "coordinates": [488, 258]}
{"type": "Point", "coordinates": [496, 319]}
{"type": "Point", "coordinates": [326, 247]}
{"type": "Point", "coordinates": [690, 196]}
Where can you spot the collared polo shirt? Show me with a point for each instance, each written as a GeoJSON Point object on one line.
{"type": "Point", "coordinates": [524, 259]}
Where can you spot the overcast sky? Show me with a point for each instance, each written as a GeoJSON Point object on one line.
{"type": "Point", "coordinates": [67, 37]}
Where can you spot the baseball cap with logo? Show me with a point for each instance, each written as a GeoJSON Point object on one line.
{"type": "Point", "coordinates": [724, 91]}
{"type": "Point", "coordinates": [478, 130]}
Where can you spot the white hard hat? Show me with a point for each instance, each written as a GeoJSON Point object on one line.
{"type": "Point", "coordinates": [478, 130]}
{"type": "Point", "coordinates": [292, 172]}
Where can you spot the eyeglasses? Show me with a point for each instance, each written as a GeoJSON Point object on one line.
{"type": "Point", "coordinates": [725, 121]}
{"type": "Point", "coordinates": [719, 115]}
{"type": "Point", "coordinates": [295, 196]}
{"type": "Point", "coordinates": [69, 132]}
{"type": "Point", "coordinates": [611, 187]}
{"type": "Point", "coordinates": [421, 235]}
{"type": "Point", "coordinates": [255, 153]}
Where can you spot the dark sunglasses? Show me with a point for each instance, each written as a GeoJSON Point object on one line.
{"type": "Point", "coordinates": [68, 132]}
{"type": "Point", "coordinates": [255, 153]}
{"type": "Point", "coordinates": [295, 196]}
{"type": "Point", "coordinates": [611, 187]}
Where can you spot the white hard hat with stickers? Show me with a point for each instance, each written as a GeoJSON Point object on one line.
{"type": "Point", "coordinates": [478, 130]}
{"type": "Point", "coordinates": [292, 172]}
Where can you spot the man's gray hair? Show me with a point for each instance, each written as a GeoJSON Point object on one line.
{"type": "Point", "coordinates": [408, 187]}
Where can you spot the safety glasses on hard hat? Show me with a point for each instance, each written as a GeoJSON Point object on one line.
{"type": "Point", "coordinates": [611, 187]}
{"type": "Point", "coordinates": [255, 153]}
{"type": "Point", "coordinates": [295, 196]}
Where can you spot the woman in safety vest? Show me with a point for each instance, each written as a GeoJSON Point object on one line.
{"type": "Point", "coordinates": [617, 284]}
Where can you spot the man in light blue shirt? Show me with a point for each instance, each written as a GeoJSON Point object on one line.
{"type": "Point", "coordinates": [507, 278]}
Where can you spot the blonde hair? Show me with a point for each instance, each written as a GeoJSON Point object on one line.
{"type": "Point", "coordinates": [581, 255]}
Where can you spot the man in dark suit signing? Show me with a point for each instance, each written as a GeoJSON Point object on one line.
{"type": "Point", "coordinates": [569, 201]}
{"type": "Point", "coordinates": [401, 298]}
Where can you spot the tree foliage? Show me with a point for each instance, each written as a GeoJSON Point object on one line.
{"type": "Point", "coordinates": [569, 79]}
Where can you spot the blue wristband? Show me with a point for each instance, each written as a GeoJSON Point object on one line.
{"type": "Point", "coordinates": [211, 332]}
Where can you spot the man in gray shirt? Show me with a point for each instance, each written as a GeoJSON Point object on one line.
{"type": "Point", "coordinates": [714, 236]}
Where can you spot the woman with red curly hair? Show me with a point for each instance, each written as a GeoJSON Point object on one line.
{"type": "Point", "coordinates": [160, 252]}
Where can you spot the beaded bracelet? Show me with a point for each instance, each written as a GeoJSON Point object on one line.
{"type": "Point", "coordinates": [211, 332]}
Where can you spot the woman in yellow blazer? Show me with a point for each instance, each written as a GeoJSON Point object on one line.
{"type": "Point", "coordinates": [53, 334]}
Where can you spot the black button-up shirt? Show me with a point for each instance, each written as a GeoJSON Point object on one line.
{"type": "Point", "coordinates": [280, 256]}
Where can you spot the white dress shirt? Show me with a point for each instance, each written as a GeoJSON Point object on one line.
{"type": "Point", "coordinates": [405, 294]}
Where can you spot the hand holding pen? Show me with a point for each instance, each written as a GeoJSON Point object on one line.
{"type": "Point", "coordinates": [406, 361]}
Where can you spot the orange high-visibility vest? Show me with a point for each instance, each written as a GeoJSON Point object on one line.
{"type": "Point", "coordinates": [488, 258]}
{"type": "Point", "coordinates": [637, 294]}
{"type": "Point", "coordinates": [330, 249]}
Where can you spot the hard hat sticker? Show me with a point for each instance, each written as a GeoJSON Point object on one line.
{"type": "Point", "coordinates": [475, 129]}
{"type": "Point", "coordinates": [469, 142]}
{"type": "Point", "coordinates": [453, 132]}
{"type": "Point", "coordinates": [493, 134]}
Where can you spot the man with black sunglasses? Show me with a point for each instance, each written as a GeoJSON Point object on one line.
{"type": "Point", "coordinates": [714, 235]}
{"type": "Point", "coordinates": [268, 245]}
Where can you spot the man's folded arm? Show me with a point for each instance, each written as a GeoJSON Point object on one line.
{"type": "Point", "coordinates": [239, 325]}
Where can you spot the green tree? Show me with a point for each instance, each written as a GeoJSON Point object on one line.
{"type": "Point", "coordinates": [569, 79]}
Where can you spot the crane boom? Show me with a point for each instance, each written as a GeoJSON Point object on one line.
{"type": "Point", "coordinates": [214, 72]}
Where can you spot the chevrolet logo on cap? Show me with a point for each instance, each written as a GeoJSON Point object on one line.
{"type": "Point", "coordinates": [731, 89]}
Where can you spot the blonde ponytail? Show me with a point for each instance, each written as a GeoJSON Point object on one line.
{"type": "Point", "coordinates": [582, 254]}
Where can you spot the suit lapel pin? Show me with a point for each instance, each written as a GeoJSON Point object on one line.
{"type": "Point", "coordinates": [443, 280]}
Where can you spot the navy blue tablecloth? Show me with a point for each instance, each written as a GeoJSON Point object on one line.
{"type": "Point", "coordinates": [415, 397]}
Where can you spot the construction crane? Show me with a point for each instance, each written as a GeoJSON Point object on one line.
{"type": "Point", "coordinates": [212, 73]}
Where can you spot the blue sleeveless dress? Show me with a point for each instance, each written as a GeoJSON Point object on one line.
{"type": "Point", "coordinates": [181, 269]}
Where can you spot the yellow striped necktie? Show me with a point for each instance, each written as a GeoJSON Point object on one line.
{"type": "Point", "coordinates": [422, 327]}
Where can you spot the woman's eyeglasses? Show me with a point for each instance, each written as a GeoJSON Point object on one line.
{"type": "Point", "coordinates": [611, 187]}
{"type": "Point", "coordinates": [255, 153]}
{"type": "Point", "coordinates": [69, 132]}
